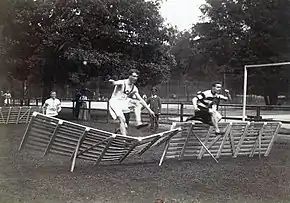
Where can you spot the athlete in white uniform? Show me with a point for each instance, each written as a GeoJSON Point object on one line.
{"type": "Point", "coordinates": [121, 101]}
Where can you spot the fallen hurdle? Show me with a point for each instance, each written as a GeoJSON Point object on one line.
{"type": "Point", "coordinates": [17, 114]}
{"type": "Point", "coordinates": [197, 140]}
{"type": "Point", "coordinates": [55, 136]}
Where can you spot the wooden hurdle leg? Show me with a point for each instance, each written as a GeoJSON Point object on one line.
{"type": "Point", "coordinates": [105, 150]}
{"type": "Point", "coordinates": [205, 147]}
{"type": "Point", "coordinates": [148, 145]}
{"type": "Point", "coordinates": [29, 112]}
{"type": "Point", "coordinates": [18, 115]}
{"type": "Point", "coordinates": [26, 133]}
{"type": "Point", "coordinates": [74, 157]}
{"type": "Point", "coordinates": [202, 150]}
{"type": "Point", "coordinates": [232, 140]}
{"type": "Point", "coordinates": [8, 116]}
{"type": "Point", "coordinates": [164, 152]}
{"type": "Point", "coordinates": [128, 152]}
{"type": "Point", "coordinates": [226, 135]}
{"type": "Point", "coordinates": [93, 146]}
{"type": "Point", "coordinates": [241, 140]}
{"type": "Point", "coordinates": [166, 146]}
{"type": "Point", "coordinates": [1, 115]}
{"type": "Point", "coordinates": [258, 142]}
{"type": "Point", "coordinates": [181, 155]}
{"type": "Point", "coordinates": [217, 138]}
{"type": "Point", "coordinates": [210, 145]}
{"type": "Point", "coordinates": [273, 139]}
{"type": "Point", "coordinates": [52, 137]}
{"type": "Point", "coordinates": [21, 117]}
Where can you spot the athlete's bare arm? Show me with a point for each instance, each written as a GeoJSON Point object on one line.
{"type": "Point", "coordinates": [228, 94]}
{"type": "Point", "coordinates": [227, 97]}
{"type": "Point", "coordinates": [116, 82]}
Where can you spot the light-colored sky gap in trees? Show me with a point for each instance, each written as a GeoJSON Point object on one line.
{"type": "Point", "coordinates": [182, 13]}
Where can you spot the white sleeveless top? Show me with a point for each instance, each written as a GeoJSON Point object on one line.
{"type": "Point", "coordinates": [123, 91]}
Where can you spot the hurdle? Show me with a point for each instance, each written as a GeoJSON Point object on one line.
{"type": "Point", "coordinates": [17, 114]}
{"type": "Point", "coordinates": [197, 140]}
{"type": "Point", "coordinates": [55, 136]}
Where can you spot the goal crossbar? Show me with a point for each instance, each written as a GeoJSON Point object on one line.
{"type": "Point", "coordinates": [246, 67]}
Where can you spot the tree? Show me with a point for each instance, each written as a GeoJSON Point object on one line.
{"type": "Point", "coordinates": [72, 41]}
{"type": "Point", "coordinates": [240, 32]}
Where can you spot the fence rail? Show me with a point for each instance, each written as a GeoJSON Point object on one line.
{"type": "Point", "coordinates": [178, 110]}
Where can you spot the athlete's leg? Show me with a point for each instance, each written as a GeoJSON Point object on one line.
{"type": "Point", "coordinates": [116, 110]}
{"type": "Point", "coordinates": [123, 125]}
{"type": "Point", "coordinates": [215, 118]}
{"type": "Point", "coordinates": [151, 123]}
{"type": "Point", "coordinates": [156, 122]}
{"type": "Point", "coordinates": [137, 107]}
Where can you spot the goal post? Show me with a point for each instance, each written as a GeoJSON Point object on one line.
{"type": "Point", "coordinates": [246, 67]}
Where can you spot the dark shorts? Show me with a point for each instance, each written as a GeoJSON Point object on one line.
{"type": "Point", "coordinates": [203, 116]}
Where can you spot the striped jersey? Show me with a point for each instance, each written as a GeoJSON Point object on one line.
{"type": "Point", "coordinates": [207, 99]}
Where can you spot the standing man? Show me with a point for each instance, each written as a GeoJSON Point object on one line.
{"type": "Point", "coordinates": [205, 105]}
{"type": "Point", "coordinates": [121, 101]}
{"type": "Point", "coordinates": [52, 106]}
{"type": "Point", "coordinates": [77, 104]}
{"type": "Point", "coordinates": [7, 100]}
{"type": "Point", "coordinates": [155, 104]}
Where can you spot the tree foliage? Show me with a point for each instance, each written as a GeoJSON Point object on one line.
{"type": "Point", "coordinates": [71, 41]}
{"type": "Point", "coordinates": [240, 32]}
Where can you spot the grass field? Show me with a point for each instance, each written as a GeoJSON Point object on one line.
{"type": "Point", "coordinates": [26, 177]}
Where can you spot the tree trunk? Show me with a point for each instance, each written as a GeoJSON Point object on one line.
{"type": "Point", "coordinates": [22, 101]}
{"type": "Point", "coordinates": [46, 89]}
{"type": "Point", "coordinates": [47, 78]}
{"type": "Point", "coordinates": [99, 78]}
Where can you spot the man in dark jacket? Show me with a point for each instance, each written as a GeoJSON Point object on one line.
{"type": "Point", "coordinates": [78, 103]}
{"type": "Point", "coordinates": [155, 104]}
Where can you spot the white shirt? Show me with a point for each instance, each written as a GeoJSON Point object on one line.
{"type": "Point", "coordinates": [52, 107]}
{"type": "Point", "coordinates": [123, 90]}
{"type": "Point", "coordinates": [7, 95]}
{"type": "Point", "coordinates": [84, 99]}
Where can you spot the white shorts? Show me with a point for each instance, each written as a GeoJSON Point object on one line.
{"type": "Point", "coordinates": [118, 107]}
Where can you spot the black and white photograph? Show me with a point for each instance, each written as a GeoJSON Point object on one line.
{"type": "Point", "coordinates": [144, 101]}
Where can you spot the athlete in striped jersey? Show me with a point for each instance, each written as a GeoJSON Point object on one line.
{"type": "Point", "coordinates": [205, 105]}
{"type": "Point", "coordinates": [121, 101]}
